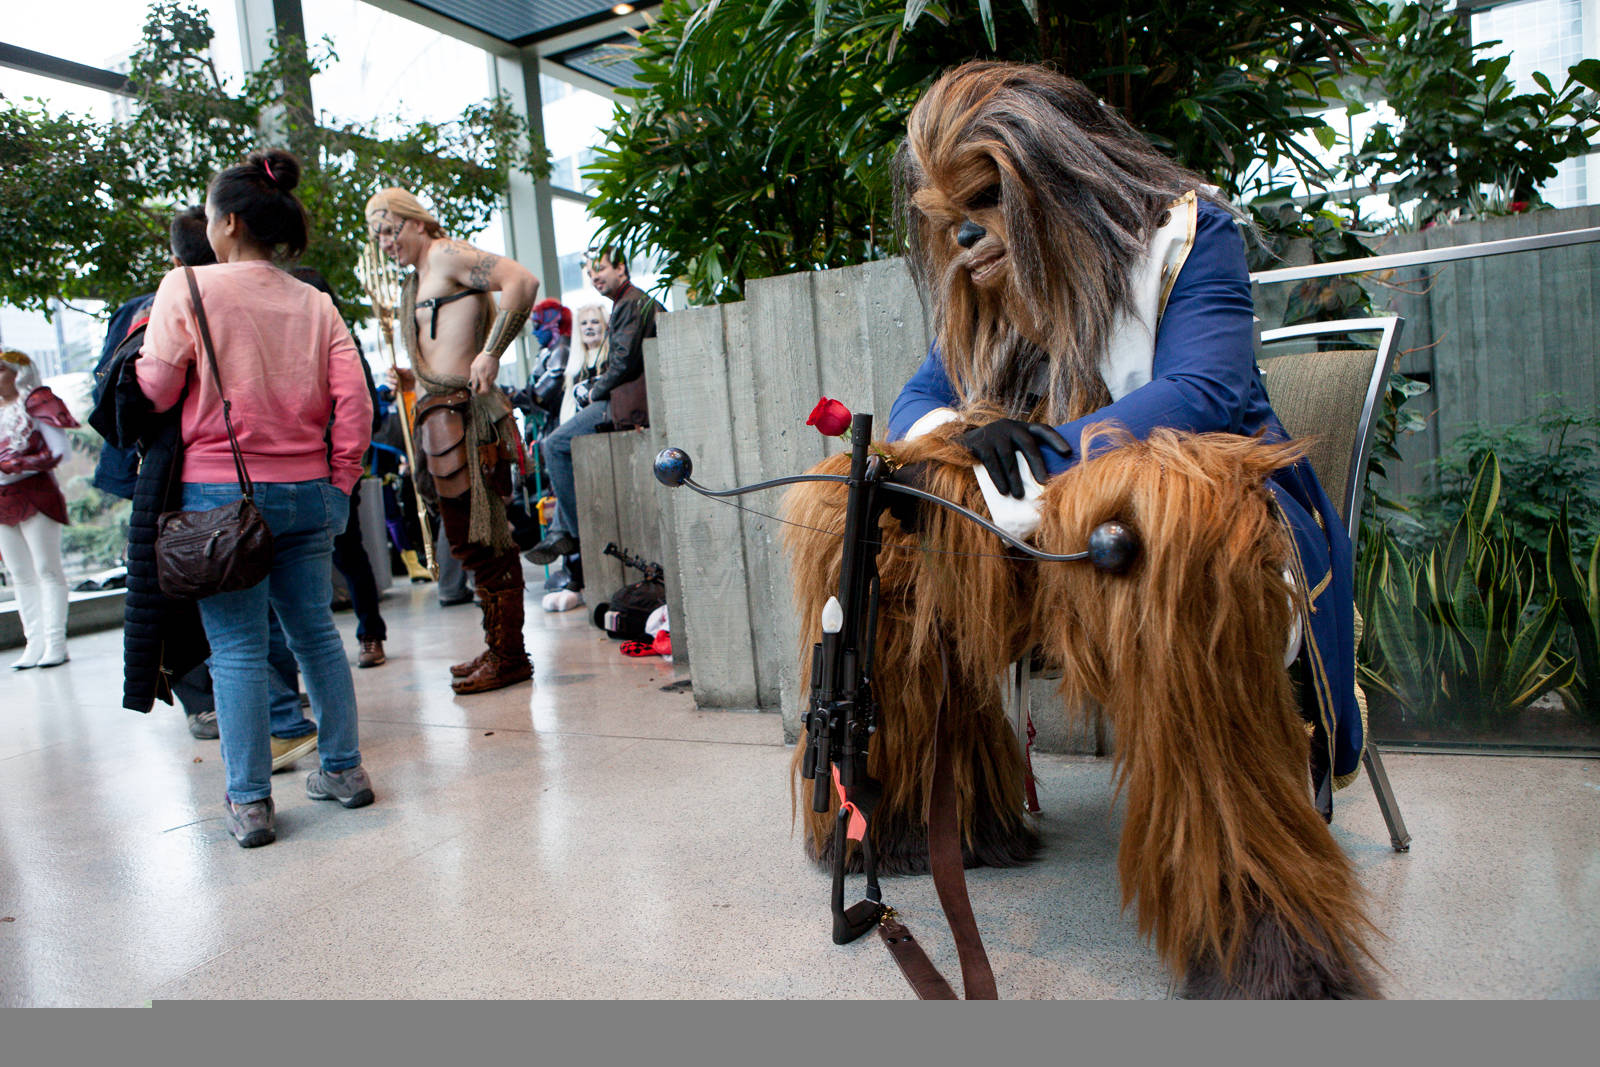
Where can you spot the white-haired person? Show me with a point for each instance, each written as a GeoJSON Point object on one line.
{"type": "Point", "coordinates": [33, 441]}
{"type": "Point", "coordinates": [587, 360]}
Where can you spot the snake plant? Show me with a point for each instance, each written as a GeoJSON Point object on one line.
{"type": "Point", "coordinates": [1579, 597]}
{"type": "Point", "coordinates": [1459, 637]}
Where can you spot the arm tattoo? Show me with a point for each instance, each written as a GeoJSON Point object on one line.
{"type": "Point", "coordinates": [507, 325]}
{"type": "Point", "coordinates": [478, 277]}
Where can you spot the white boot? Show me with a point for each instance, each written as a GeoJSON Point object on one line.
{"type": "Point", "coordinates": [32, 653]}
{"type": "Point", "coordinates": [54, 609]}
{"type": "Point", "coordinates": [31, 616]}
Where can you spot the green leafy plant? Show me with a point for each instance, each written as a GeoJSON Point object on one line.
{"type": "Point", "coordinates": [1463, 126]}
{"type": "Point", "coordinates": [1401, 648]}
{"type": "Point", "coordinates": [1481, 588]}
{"type": "Point", "coordinates": [1550, 460]}
{"type": "Point", "coordinates": [1579, 596]}
{"type": "Point", "coordinates": [1396, 420]}
{"type": "Point", "coordinates": [98, 525]}
{"type": "Point", "coordinates": [84, 205]}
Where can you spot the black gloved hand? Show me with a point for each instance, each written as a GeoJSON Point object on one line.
{"type": "Point", "coordinates": [996, 444]}
{"type": "Point", "coordinates": [903, 506]}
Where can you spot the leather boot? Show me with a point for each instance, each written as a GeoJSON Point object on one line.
{"type": "Point", "coordinates": [461, 670]}
{"type": "Point", "coordinates": [414, 567]}
{"type": "Point", "coordinates": [505, 662]}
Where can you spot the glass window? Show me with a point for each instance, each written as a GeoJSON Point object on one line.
{"type": "Point", "coordinates": [56, 96]}
{"type": "Point", "coordinates": [574, 233]}
{"type": "Point", "coordinates": [575, 124]}
{"type": "Point", "coordinates": [104, 33]}
{"type": "Point", "coordinates": [389, 67]}
{"type": "Point", "coordinates": [1544, 36]}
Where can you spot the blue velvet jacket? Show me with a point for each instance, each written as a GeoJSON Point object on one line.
{"type": "Point", "coordinates": [1205, 379]}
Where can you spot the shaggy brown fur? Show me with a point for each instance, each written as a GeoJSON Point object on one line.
{"type": "Point", "coordinates": [925, 603]}
{"type": "Point", "coordinates": [1231, 869]}
{"type": "Point", "coordinates": [1184, 652]}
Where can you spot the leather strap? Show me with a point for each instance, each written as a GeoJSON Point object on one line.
{"type": "Point", "coordinates": [949, 881]}
{"type": "Point", "coordinates": [924, 977]}
{"type": "Point", "coordinates": [944, 857]}
{"type": "Point", "coordinates": [246, 487]}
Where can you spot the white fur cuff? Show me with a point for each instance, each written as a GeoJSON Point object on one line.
{"type": "Point", "coordinates": [936, 417]}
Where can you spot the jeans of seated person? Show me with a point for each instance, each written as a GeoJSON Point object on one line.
{"type": "Point", "coordinates": [288, 718]}
{"type": "Point", "coordinates": [453, 581]}
{"type": "Point", "coordinates": [557, 450]}
{"type": "Point", "coordinates": [303, 517]}
{"type": "Point", "coordinates": [350, 557]}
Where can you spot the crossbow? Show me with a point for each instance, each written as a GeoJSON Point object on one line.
{"type": "Point", "coordinates": [842, 714]}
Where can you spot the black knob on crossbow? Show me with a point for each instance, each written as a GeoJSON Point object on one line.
{"type": "Point", "coordinates": [1113, 546]}
{"type": "Point", "coordinates": [673, 467]}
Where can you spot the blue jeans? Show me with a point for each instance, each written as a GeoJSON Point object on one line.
{"type": "Point", "coordinates": [557, 449]}
{"type": "Point", "coordinates": [303, 517]}
{"type": "Point", "coordinates": [283, 679]}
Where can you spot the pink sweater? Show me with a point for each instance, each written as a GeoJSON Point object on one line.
{"type": "Point", "coordinates": [287, 364]}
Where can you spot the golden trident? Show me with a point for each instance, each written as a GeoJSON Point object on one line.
{"type": "Point", "coordinates": [381, 279]}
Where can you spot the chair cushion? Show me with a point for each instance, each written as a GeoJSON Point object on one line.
{"type": "Point", "coordinates": [1319, 397]}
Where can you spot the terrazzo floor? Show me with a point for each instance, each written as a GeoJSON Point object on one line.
{"type": "Point", "coordinates": [592, 835]}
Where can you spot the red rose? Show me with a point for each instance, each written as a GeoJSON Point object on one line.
{"type": "Point", "coordinates": [1518, 206]}
{"type": "Point", "coordinates": [830, 417]}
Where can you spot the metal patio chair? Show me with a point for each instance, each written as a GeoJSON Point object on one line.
{"type": "Point", "coordinates": [1327, 397]}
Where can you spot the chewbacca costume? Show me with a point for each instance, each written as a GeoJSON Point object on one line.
{"type": "Point", "coordinates": [1135, 342]}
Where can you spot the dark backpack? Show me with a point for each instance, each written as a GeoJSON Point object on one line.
{"type": "Point", "coordinates": [624, 615]}
{"type": "Point", "coordinates": [117, 468]}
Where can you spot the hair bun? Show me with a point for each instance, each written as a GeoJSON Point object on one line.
{"type": "Point", "coordinates": [281, 168]}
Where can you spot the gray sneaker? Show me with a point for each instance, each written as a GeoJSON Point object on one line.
{"type": "Point", "coordinates": [203, 726]}
{"type": "Point", "coordinates": [352, 787]}
{"type": "Point", "coordinates": [252, 824]}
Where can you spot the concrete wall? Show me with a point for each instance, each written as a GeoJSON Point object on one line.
{"type": "Point", "coordinates": [736, 383]}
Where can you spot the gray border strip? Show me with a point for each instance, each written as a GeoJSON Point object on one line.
{"type": "Point", "coordinates": [1428, 255]}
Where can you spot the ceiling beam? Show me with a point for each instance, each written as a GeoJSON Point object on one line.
{"type": "Point", "coordinates": [26, 59]}
{"type": "Point", "coordinates": [450, 27]}
{"type": "Point", "coordinates": [597, 27]}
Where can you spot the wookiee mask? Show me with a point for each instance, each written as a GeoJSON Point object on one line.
{"type": "Point", "coordinates": [1027, 204]}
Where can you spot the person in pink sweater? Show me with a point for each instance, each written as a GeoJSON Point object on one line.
{"type": "Point", "coordinates": [302, 414]}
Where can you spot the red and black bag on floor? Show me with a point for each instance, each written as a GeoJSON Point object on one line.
{"type": "Point", "coordinates": [623, 616]}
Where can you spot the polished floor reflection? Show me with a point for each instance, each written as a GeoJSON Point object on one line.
{"type": "Point", "coordinates": [592, 835]}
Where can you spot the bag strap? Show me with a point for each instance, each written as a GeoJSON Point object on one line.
{"type": "Point", "coordinates": [246, 486]}
{"type": "Point", "coordinates": [949, 881]}
{"type": "Point", "coordinates": [949, 872]}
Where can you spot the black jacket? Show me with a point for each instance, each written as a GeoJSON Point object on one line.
{"type": "Point", "coordinates": [633, 318]}
{"type": "Point", "coordinates": [162, 638]}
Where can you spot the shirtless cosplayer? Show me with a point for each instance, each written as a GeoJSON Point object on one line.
{"type": "Point", "coordinates": [455, 336]}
